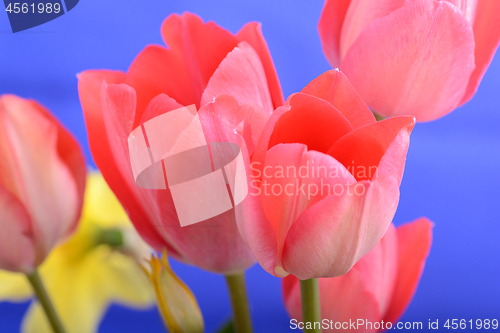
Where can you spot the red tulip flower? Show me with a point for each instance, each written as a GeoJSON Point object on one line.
{"type": "Point", "coordinates": [326, 185]}
{"type": "Point", "coordinates": [232, 81]}
{"type": "Point", "coordinates": [419, 57]}
{"type": "Point", "coordinates": [42, 181]}
{"type": "Point", "coordinates": [377, 290]}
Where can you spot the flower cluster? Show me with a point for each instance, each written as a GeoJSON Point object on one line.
{"type": "Point", "coordinates": [323, 173]}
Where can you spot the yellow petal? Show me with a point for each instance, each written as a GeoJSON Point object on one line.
{"type": "Point", "coordinates": [82, 292]}
{"type": "Point", "coordinates": [101, 205]}
{"type": "Point", "coordinates": [177, 304]}
{"type": "Point", "coordinates": [14, 287]}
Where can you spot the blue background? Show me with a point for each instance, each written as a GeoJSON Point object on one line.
{"type": "Point", "coordinates": [452, 172]}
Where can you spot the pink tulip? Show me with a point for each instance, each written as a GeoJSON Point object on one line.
{"type": "Point", "coordinates": [232, 81]}
{"type": "Point", "coordinates": [42, 180]}
{"type": "Point", "coordinates": [378, 288]}
{"type": "Point", "coordinates": [418, 57]}
{"type": "Point", "coordinates": [326, 185]}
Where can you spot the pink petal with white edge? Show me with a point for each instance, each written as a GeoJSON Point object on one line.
{"type": "Point", "coordinates": [379, 268]}
{"type": "Point", "coordinates": [359, 15]}
{"type": "Point", "coordinates": [487, 38]}
{"type": "Point", "coordinates": [200, 45]}
{"type": "Point", "coordinates": [412, 62]}
{"type": "Point", "coordinates": [364, 148]}
{"type": "Point", "coordinates": [331, 236]}
{"type": "Point", "coordinates": [90, 88]}
{"type": "Point", "coordinates": [330, 27]}
{"type": "Point", "coordinates": [34, 171]}
{"type": "Point", "coordinates": [295, 179]}
{"type": "Point", "coordinates": [242, 76]}
{"type": "Point", "coordinates": [333, 87]}
{"type": "Point", "coordinates": [342, 299]}
{"type": "Point", "coordinates": [17, 251]}
{"type": "Point", "coordinates": [252, 34]}
{"type": "Point", "coordinates": [414, 243]}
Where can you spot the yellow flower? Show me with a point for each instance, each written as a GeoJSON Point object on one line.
{"type": "Point", "coordinates": [177, 305]}
{"type": "Point", "coordinates": [95, 267]}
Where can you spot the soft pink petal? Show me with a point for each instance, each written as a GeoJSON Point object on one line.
{"type": "Point", "coordinates": [263, 141]}
{"type": "Point", "coordinates": [330, 27]}
{"type": "Point", "coordinates": [292, 182]}
{"type": "Point", "coordinates": [17, 251]}
{"type": "Point", "coordinates": [252, 34]}
{"type": "Point", "coordinates": [414, 243]}
{"type": "Point", "coordinates": [487, 38]}
{"type": "Point", "coordinates": [33, 170]}
{"type": "Point", "coordinates": [362, 150]}
{"type": "Point", "coordinates": [118, 102]}
{"type": "Point", "coordinates": [333, 87]}
{"type": "Point", "coordinates": [214, 244]}
{"type": "Point", "coordinates": [242, 76]}
{"type": "Point", "coordinates": [359, 15]}
{"type": "Point", "coordinates": [416, 60]}
{"type": "Point", "coordinates": [468, 8]}
{"type": "Point", "coordinates": [331, 236]}
{"type": "Point", "coordinates": [232, 118]}
{"type": "Point", "coordinates": [378, 269]}
{"type": "Point", "coordinates": [343, 299]}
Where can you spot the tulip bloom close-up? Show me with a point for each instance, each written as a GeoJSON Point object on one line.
{"type": "Point", "coordinates": [202, 62]}
{"type": "Point", "coordinates": [420, 57]}
{"type": "Point", "coordinates": [42, 180]}
{"type": "Point", "coordinates": [378, 288]}
{"type": "Point", "coordinates": [321, 221]}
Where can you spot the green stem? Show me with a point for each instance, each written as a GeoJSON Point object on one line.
{"type": "Point", "coordinates": [237, 290]}
{"type": "Point", "coordinates": [43, 298]}
{"type": "Point", "coordinates": [311, 312]}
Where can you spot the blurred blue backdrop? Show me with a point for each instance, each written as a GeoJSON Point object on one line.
{"type": "Point", "coordinates": [452, 173]}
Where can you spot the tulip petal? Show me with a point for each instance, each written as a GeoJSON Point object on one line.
{"type": "Point", "coordinates": [412, 62]}
{"type": "Point", "coordinates": [36, 173]}
{"type": "Point", "coordinates": [149, 76]}
{"type": "Point", "coordinates": [260, 152]}
{"type": "Point", "coordinates": [333, 87]}
{"type": "Point", "coordinates": [487, 38]}
{"type": "Point", "coordinates": [230, 119]}
{"type": "Point", "coordinates": [379, 269]}
{"type": "Point", "coordinates": [202, 46]}
{"type": "Point", "coordinates": [196, 241]}
{"type": "Point", "coordinates": [293, 180]}
{"type": "Point", "coordinates": [362, 150]}
{"type": "Point", "coordinates": [414, 242]}
{"type": "Point", "coordinates": [344, 228]}
{"type": "Point", "coordinates": [330, 28]}
{"type": "Point", "coordinates": [242, 76]}
{"type": "Point", "coordinates": [118, 103]}
{"type": "Point", "coordinates": [89, 87]}
{"type": "Point", "coordinates": [252, 34]}
{"type": "Point", "coordinates": [359, 15]}
{"type": "Point", "coordinates": [15, 235]}
{"type": "Point", "coordinates": [343, 300]}
{"type": "Point", "coordinates": [311, 121]}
